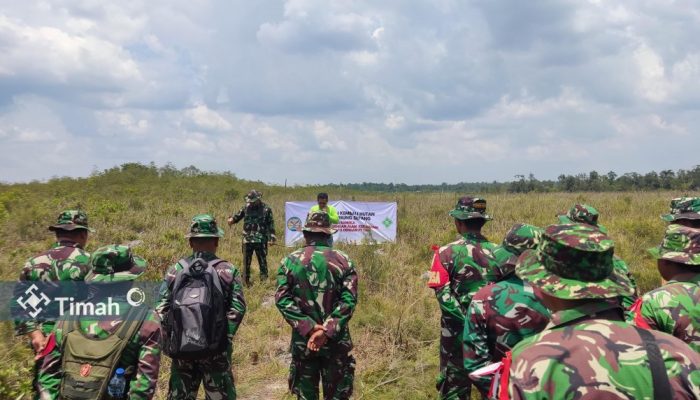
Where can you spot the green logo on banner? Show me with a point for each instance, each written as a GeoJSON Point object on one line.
{"type": "Point", "coordinates": [387, 222]}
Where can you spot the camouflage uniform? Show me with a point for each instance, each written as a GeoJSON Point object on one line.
{"type": "Point", "coordinates": [675, 307]}
{"type": "Point", "coordinates": [501, 314]}
{"type": "Point", "coordinates": [65, 261]}
{"type": "Point", "coordinates": [684, 211]}
{"type": "Point", "coordinates": [588, 351]}
{"type": "Point", "coordinates": [215, 372]}
{"type": "Point", "coordinates": [141, 356]}
{"type": "Point", "coordinates": [317, 285]}
{"type": "Point", "coordinates": [585, 214]}
{"type": "Point", "coordinates": [466, 265]}
{"type": "Point", "coordinates": [258, 229]}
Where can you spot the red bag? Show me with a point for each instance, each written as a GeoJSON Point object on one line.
{"type": "Point", "coordinates": [438, 274]}
{"type": "Point", "coordinates": [639, 320]}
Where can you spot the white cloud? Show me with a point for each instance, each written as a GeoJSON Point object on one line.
{"type": "Point", "coordinates": [207, 118]}
{"type": "Point", "coordinates": [48, 55]}
{"type": "Point", "coordinates": [417, 91]}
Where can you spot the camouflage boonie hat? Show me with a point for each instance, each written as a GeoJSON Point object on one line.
{"type": "Point", "coordinates": [253, 196]}
{"type": "Point", "coordinates": [114, 263]}
{"type": "Point", "coordinates": [468, 207]}
{"type": "Point", "coordinates": [204, 225]}
{"type": "Point", "coordinates": [70, 220]}
{"type": "Point", "coordinates": [519, 238]}
{"type": "Point", "coordinates": [318, 221]}
{"type": "Point", "coordinates": [683, 208]}
{"type": "Point", "coordinates": [574, 261]}
{"type": "Point", "coordinates": [582, 213]}
{"type": "Point", "coordinates": [681, 244]}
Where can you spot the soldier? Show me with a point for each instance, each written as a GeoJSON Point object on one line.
{"type": "Point", "coordinates": [322, 200]}
{"type": "Point", "coordinates": [316, 294]}
{"type": "Point", "coordinates": [674, 308]}
{"type": "Point", "coordinates": [65, 261]}
{"type": "Point", "coordinates": [85, 352]}
{"type": "Point", "coordinates": [588, 350]}
{"type": "Point", "coordinates": [585, 214]}
{"type": "Point", "coordinates": [215, 371]}
{"type": "Point", "coordinates": [258, 229]}
{"type": "Point", "coordinates": [684, 211]}
{"type": "Point", "coordinates": [501, 314]}
{"type": "Point", "coordinates": [459, 270]}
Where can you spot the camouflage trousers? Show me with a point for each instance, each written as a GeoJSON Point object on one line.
{"type": "Point", "coordinates": [335, 370]}
{"type": "Point", "coordinates": [214, 373]}
{"type": "Point", "coordinates": [260, 250]}
{"type": "Point", "coordinates": [453, 383]}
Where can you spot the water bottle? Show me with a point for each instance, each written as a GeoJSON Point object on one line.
{"type": "Point", "coordinates": [117, 385]}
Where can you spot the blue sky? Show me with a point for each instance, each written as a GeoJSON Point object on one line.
{"type": "Point", "coordinates": [350, 91]}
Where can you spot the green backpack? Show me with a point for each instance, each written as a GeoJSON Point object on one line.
{"type": "Point", "coordinates": [89, 363]}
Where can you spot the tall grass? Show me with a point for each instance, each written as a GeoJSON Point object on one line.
{"type": "Point", "coordinates": [396, 325]}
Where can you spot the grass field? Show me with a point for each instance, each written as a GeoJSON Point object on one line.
{"type": "Point", "coordinates": [396, 323]}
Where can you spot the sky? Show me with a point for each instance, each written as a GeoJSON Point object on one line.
{"type": "Point", "coordinates": [320, 91]}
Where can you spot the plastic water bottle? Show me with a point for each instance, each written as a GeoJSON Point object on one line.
{"type": "Point", "coordinates": [117, 384]}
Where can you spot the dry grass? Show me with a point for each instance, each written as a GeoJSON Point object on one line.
{"type": "Point", "coordinates": [396, 324]}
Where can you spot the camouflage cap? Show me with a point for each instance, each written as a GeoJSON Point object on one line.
{"type": "Point", "coordinates": [519, 238]}
{"type": "Point", "coordinates": [253, 196]}
{"type": "Point", "coordinates": [583, 214]}
{"type": "Point", "coordinates": [468, 207]}
{"type": "Point", "coordinates": [681, 244]}
{"type": "Point", "coordinates": [204, 225]}
{"type": "Point", "coordinates": [70, 220]}
{"type": "Point", "coordinates": [114, 263]}
{"type": "Point", "coordinates": [574, 261]}
{"type": "Point", "coordinates": [318, 221]}
{"type": "Point", "coordinates": [683, 208]}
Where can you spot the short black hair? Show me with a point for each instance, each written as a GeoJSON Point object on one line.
{"type": "Point", "coordinates": [477, 223]}
{"type": "Point", "coordinates": [322, 195]}
{"type": "Point", "coordinates": [202, 240]}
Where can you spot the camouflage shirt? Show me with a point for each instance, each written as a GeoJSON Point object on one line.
{"type": "Point", "coordinates": [65, 261]}
{"type": "Point", "coordinates": [675, 309]}
{"type": "Point", "coordinates": [500, 315]}
{"type": "Point", "coordinates": [470, 265]}
{"type": "Point", "coordinates": [621, 266]}
{"type": "Point", "coordinates": [258, 223]}
{"type": "Point", "coordinates": [141, 355]}
{"type": "Point", "coordinates": [582, 354]}
{"type": "Point", "coordinates": [230, 283]}
{"type": "Point", "coordinates": [317, 285]}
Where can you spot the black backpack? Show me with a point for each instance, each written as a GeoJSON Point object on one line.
{"type": "Point", "coordinates": [196, 323]}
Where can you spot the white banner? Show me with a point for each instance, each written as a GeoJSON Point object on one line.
{"type": "Point", "coordinates": [360, 222]}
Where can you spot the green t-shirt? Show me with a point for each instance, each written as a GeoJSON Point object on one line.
{"type": "Point", "coordinates": [332, 212]}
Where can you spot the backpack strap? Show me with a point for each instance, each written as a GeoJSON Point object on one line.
{"type": "Point", "coordinates": [216, 280]}
{"type": "Point", "coordinates": [180, 275]}
{"type": "Point", "coordinates": [659, 375]}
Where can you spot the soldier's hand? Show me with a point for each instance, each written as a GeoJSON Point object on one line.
{"type": "Point", "coordinates": [230, 221]}
{"type": "Point", "coordinates": [317, 340]}
{"type": "Point", "coordinates": [38, 341]}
